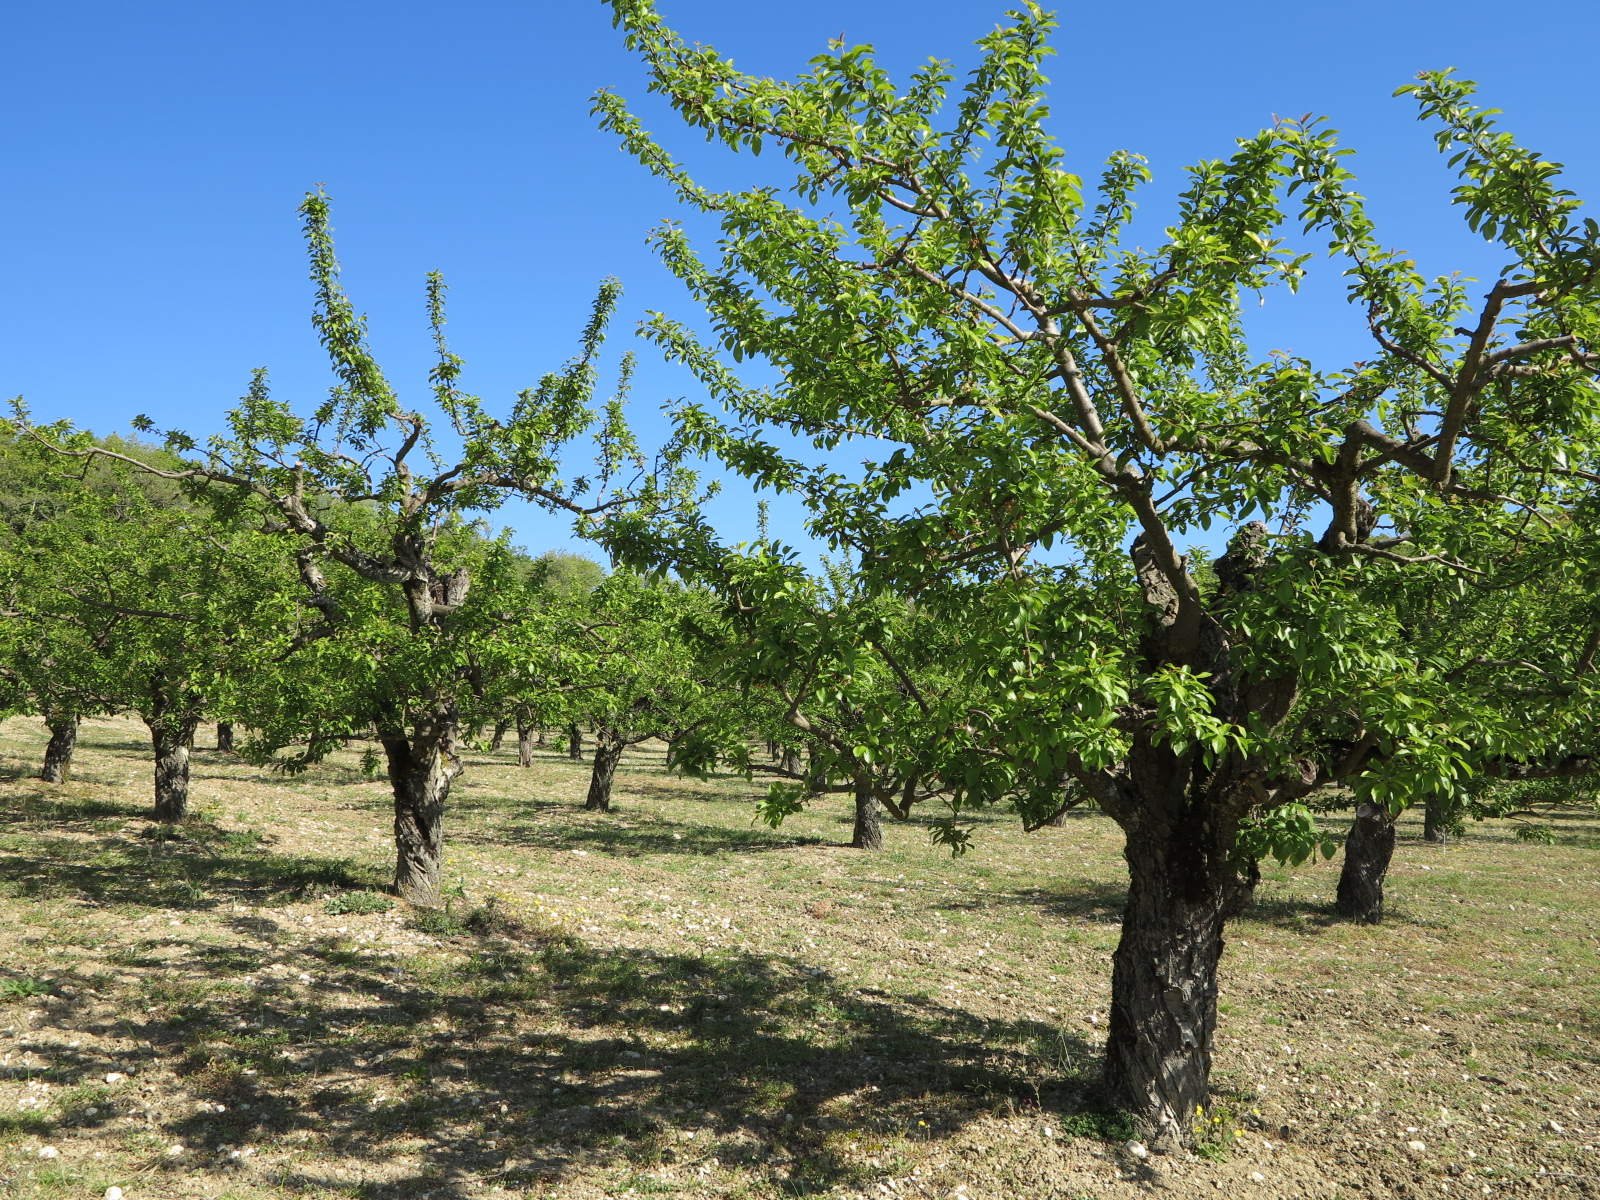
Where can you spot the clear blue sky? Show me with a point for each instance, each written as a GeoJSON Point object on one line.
{"type": "Point", "coordinates": [155, 154]}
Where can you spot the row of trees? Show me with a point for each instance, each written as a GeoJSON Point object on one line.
{"type": "Point", "coordinates": [1049, 407]}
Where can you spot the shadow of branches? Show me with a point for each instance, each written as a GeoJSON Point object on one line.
{"type": "Point", "coordinates": [524, 1058]}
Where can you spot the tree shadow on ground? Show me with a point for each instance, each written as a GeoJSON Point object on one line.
{"type": "Point", "coordinates": [60, 848]}
{"type": "Point", "coordinates": [523, 1057]}
{"type": "Point", "coordinates": [527, 823]}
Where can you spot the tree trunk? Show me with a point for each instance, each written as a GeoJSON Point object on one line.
{"type": "Point", "coordinates": [607, 753]}
{"type": "Point", "coordinates": [1164, 976]}
{"type": "Point", "coordinates": [524, 745]}
{"type": "Point", "coordinates": [1367, 850]}
{"type": "Point", "coordinates": [421, 770]}
{"type": "Point", "coordinates": [500, 728]}
{"type": "Point", "coordinates": [574, 742]}
{"type": "Point", "coordinates": [868, 833]}
{"type": "Point", "coordinates": [225, 737]}
{"type": "Point", "coordinates": [172, 737]}
{"type": "Point", "coordinates": [790, 761]}
{"type": "Point", "coordinates": [1435, 821]}
{"type": "Point", "coordinates": [540, 742]}
{"type": "Point", "coordinates": [58, 754]}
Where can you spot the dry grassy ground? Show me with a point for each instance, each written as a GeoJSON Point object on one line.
{"type": "Point", "coordinates": [668, 1000]}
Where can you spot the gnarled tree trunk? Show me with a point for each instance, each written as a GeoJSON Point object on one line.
{"type": "Point", "coordinates": [172, 729]}
{"type": "Point", "coordinates": [607, 753]}
{"type": "Point", "coordinates": [58, 753]}
{"type": "Point", "coordinates": [1368, 847]}
{"type": "Point", "coordinates": [1182, 887]}
{"type": "Point", "coordinates": [868, 833]}
{"type": "Point", "coordinates": [574, 742]}
{"type": "Point", "coordinates": [524, 745]}
{"type": "Point", "coordinates": [422, 766]}
{"type": "Point", "coordinates": [225, 736]}
{"type": "Point", "coordinates": [499, 737]}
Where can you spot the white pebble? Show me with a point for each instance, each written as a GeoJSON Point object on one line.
{"type": "Point", "coordinates": [1258, 1176]}
{"type": "Point", "coordinates": [114, 1193]}
{"type": "Point", "coordinates": [115, 1077]}
{"type": "Point", "coordinates": [174, 1150]}
{"type": "Point", "coordinates": [1417, 1147]}
{"type": "Point", "coordinates": [1138, 1149]}
{"type": "Point", "coordinates": [49, 1152]}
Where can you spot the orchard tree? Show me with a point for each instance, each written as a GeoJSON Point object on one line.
{"type": "Point", "coordinates": [364, 453]}
{"type": "Point", "coordinates": [156, 607]}
{"type": "Point", "coordinates": [113, 583]}
{"type": "Point", "coordinates": [1051, 405]}
{"type": "Point", "coordinates": [857, 678]}
{"type": "Point", "coordinates": [639, 677]}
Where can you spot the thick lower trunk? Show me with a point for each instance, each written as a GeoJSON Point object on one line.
{"type": "Point", "coordinates": [1367, 850]}
{"type": "Point", "coordinates": [524, 746]}
{"type": "Point", "coordinates": [540, 743]}
{"type": "Point", "coordinates": [499, 737]}
{"type": "Point", "coordinates": [1164, 981]}
{"type": "Point", "coordinates": [868, 834]}
{"type": "Point", "coordinates": [172, 737]}
{"type": "Point", "coordinates": [58, 753]}
{"type": "Point", "coordinates": [607, 753]}
{"type": "Point", "coordinates": [1436, 821]}
{"type": "Point", "coordinates": [225, 737]}
{"type": "Point", "coordinates": [790, 761]}
{"type": "Point", "coordinates": [421, 770]}
{"type": "Point", "coordinates": [574, 742]}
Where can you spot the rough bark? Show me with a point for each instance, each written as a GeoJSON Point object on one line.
{"type": "Point", "coordinates": [524, 745]}
{"type": "Point", "coordinates": [868, 834]}
{"type": "Point", "coordinates": [1436, 821]}
{"type": "Point", "coordinates": [1181, 890]}
{"type": "Point", "coordinates": [172, 737]}
{"type": "Point", "coordinates": [574, 742]}
{"type": "Point", "coordinates": [58, 753]}
{"type": "Point", "coordinates": [1181, 815]}
{"type": "Point", "coordinates": [422, 766]}
{"type": "Point", "coordinates": [790, 761]}
{"type": "Point", "coordinates": [499, 737]}
{"type": "Point", "coordinates": [1367, 850]}
{"type": "Point", "coordinates": [607, 753]}
{"type": "Point", "coordinates": [225, 737]}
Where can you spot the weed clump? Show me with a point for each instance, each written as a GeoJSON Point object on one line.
{"type": "Point", "coordinates": [493, 918]}
{"type": "Point", "coordinates": [23, 988]}
{"type": "Point", "coordinates": [357, 902]}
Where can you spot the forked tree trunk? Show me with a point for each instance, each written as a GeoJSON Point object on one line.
{"type": "Point", "coordinates": [172, 737]}
{"type": "Point", "coordinates": [1435, 821]}
{"type": "Point", "coordinates": [868, 833]}
{"type": "Point", "coordinates": [421, 769]}
{"type": "Point", "coordinates": [1368, 848]}
{"type": "Point", "coordinates": [225, 736]}
{"type": "Point", "coordinates": [500, 728]}
{"type": "Point", "coordinates": [524, 745]}
{"type": "Point", "coordinates": [58, 753]}
{"type": "Point", "coordinates": [574, 742]}
{"type": "Point", "coordinates": [607, 753]}
{"type": "Point", "coordinates": [1164, 977]}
